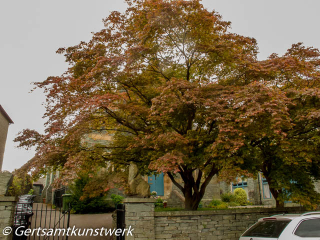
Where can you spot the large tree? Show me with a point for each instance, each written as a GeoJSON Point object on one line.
{"type": "Point", "coordinates": [177, 91]}
{"type": "Point", "coordinates": [288, 156]}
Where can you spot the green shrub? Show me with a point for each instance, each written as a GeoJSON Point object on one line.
{"type": "Point", "coordinates": [21, 184]}
{"type": "Point", "coordinates": [240, 196]}
{"type": "Point", "coordinates": [233, 204]}
{"type": "Point", "coordinates": [214, 203]}
{"type": "Point", "coordinates": [222, 205]}
{"type": "Point", "coordinates": [31, 191]}
{"type": "Point", "coordinates": [218, 204]}
{"type": "Point", "coordinates": [81, 205]}
{"type": "Point", "coordinates": [159, 203]}
{"type": "Point", "coordinates": [228, 197]}
{"type": "Point", "coordinates": [168, 209]}
{"type": "Point", "coordinates": [249, 203]}
{"type": "Point", "coordinates": [116, 199]}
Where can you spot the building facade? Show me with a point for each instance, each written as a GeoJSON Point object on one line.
{"type": "Point", "coordinates": [5, 121]}
{"type": "Point", "coordinates": [257, 188]}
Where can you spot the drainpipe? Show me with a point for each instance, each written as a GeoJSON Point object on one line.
{"type": "Point", "coordinates": [259, 188]}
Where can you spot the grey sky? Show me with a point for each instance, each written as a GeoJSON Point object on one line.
{"type": "Point", "coordinates": [31, 31]}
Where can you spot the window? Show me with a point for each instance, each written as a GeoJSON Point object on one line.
{"type": "Point", "coordinates": [309, 228]}
{"type": "Point", "coordinates": [240, 184]}
{"type": "Point", "coordinates": [265, 189]}
{"type": "Point", "coordinates": [266, 229]}
{"type": "Point", "coordinates": [288, 193]}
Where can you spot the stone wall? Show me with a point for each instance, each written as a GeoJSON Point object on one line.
{"type": "Point", "coordinates": [6, 179]}
{"type": "Point", "coordinates": [192, 225]}
{"type": "Point", "coordinates": [213, 225]}
{"type": "Point", "coordinates": [7, 206]}
{"type": "Point", "coordinates": [176, 198]}
{"type": "Point", "coordinates": [37, 192]}
{"type": "Point", "coordinates": [140, 217]}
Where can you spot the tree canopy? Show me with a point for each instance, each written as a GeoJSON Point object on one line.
{"type": "Point", "coordinates": [179, 93]}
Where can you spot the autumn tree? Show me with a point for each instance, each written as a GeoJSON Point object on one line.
{"type": "Point", "coordinates": [177, 91]}
{"type": "Point", "coordinates": [21, 184]}
{"type": "Point", "coordinates": [287, 156]}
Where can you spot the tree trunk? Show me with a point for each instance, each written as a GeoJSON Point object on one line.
{"type": "Point", "coordinates": [191, 200]}
{"type": "Point", "coordinates": [193, 190]}
{"type": "Point", "coordinates": [275, 193]}
{"type": "Point", "coordinates": [279, 204]}
{"type": "Point", "coordinates": [192, 204]}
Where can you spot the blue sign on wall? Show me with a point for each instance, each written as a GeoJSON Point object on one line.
{"type": "Point", "coordinates": [156, 184]}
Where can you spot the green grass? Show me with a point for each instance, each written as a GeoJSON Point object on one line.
{"type": "Point", "coordinates": [199, 209]}
{"type": "Point", "coordinates": [182, 209]}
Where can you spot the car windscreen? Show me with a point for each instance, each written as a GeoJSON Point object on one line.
{"type": "Point", "coordinates": [268, 228]}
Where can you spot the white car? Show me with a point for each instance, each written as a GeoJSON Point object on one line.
{"type": "Point", "coordinates": [285, 227]}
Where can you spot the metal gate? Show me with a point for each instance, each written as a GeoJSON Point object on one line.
{"type": "Point", "coordinates": [44, 223]}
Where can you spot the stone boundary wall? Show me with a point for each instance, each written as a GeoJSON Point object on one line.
{"type": "Point", "coordinates": [7, 207]}
{"type": "Point", "coordinates": [213, 225]}
{"type": "Point", "coordinates": [192, 225]}
{"type": "Point", "coordinates": [139, 215]}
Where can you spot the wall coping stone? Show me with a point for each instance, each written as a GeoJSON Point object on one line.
{"type": "Point", "coordinates": [8, 199]}
{"type": "Point", "coordinates": [139, 200]}
{"type": "Point", "coordinates": [231, 211]}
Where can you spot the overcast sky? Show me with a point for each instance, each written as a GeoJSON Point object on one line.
{"type": "Point", "coordinates": [31, 32]}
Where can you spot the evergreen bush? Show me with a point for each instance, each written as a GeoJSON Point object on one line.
{"type": "Point", "coordinates": [240, 196]}
{"type": "Point", "coordinates": [228, 197]}
{"type": "Point", "coordinates": [82, 205]}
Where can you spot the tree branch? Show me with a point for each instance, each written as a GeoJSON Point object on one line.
{"type": "Point", "coordinates": [175, 182]}
{"type": "Point", "coordinates": [213, 172]}
{"type": "Point", "coordinates": [199, 179]}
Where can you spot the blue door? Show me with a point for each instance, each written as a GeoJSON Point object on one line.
{"type": "Point", "coordinates": [156, 184]}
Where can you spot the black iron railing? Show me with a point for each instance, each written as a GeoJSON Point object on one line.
{"type": "Point", "coordinates": [42, 221]}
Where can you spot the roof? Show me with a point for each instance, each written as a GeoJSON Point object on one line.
{"type": "Point", "coordinates": [3, 112]}
{"type": "Point", "coordinates": [40, 181]}
{"type": "Point", "coordinates": [289, 216]}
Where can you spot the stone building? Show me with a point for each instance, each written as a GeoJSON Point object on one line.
{"type": "Point", "coordinates": [257, 189]}
{"type": "Point", "coordinates": [5, 121]}
{"type": "Point", "coordinates": [38, 189]}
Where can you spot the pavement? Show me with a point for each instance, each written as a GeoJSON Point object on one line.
{"type": "Point", "coordinates": [94, 221]}
{"type": "Point", "coordinates": [46, 217]}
